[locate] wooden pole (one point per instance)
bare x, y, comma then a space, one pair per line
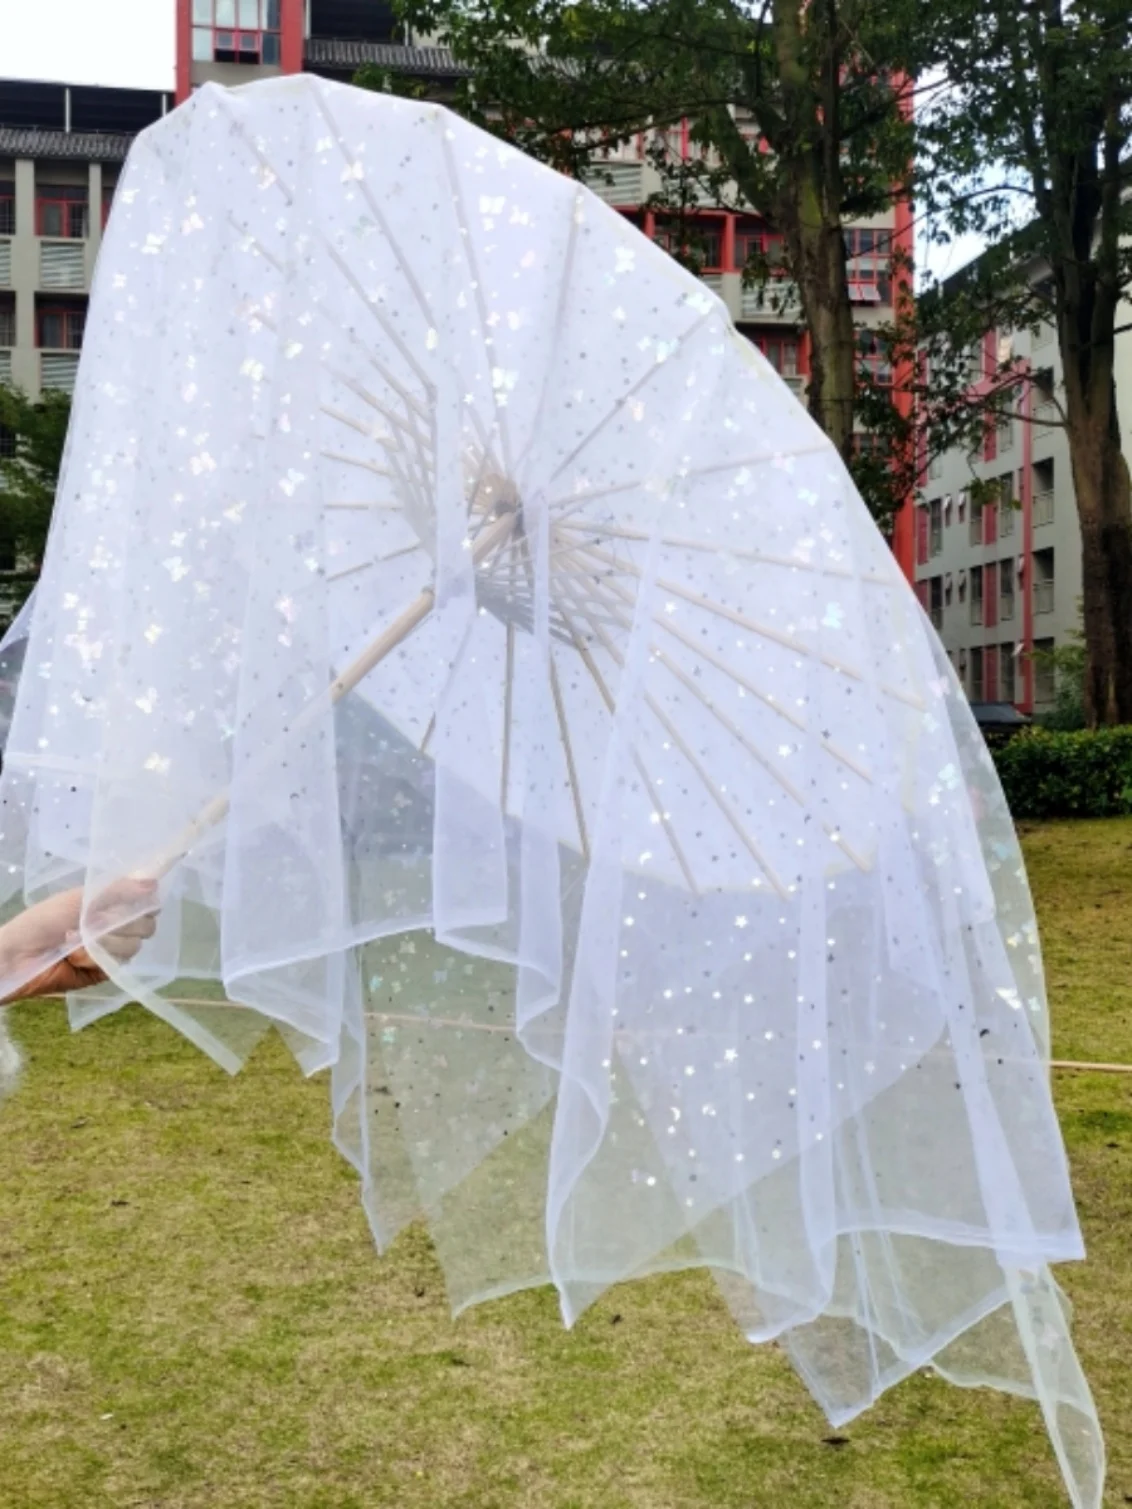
490, 538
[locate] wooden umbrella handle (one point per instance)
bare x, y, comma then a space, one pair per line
489, 538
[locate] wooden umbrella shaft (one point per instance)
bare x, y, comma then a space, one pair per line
490, 538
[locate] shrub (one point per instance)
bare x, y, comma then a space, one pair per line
1087, 773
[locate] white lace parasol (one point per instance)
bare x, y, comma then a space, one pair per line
525, 715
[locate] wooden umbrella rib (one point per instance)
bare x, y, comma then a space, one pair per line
646, 780
567, 745
479, 283
619, 403
508, 708
752, 847
703, 653
729, 725
763, 631
758, 557
464, 1025
564, 282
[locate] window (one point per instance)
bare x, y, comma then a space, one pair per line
1043, 494
1045, 677
758, 246
61, 211
935, 512
1006, 509
990, 597
936, 601
60, 329
961, 511
990, 674
923, 545
874, 364
868, 254
978, 684
709, 246
976, 594
868, 444
975, 534
236, 31
1006, 663
781, 351
990, 523
1043, 581
1005, 591
1005, 436
7, 322
7, 443
7, 209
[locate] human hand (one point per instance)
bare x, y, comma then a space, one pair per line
53, 924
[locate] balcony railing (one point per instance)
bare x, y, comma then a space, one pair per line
58, 369
5, 366
62, 264
617, 182
5, 264
1043, 507
773, 299
1043, 596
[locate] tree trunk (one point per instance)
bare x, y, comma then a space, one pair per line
1104, 507
829, 318
807, 47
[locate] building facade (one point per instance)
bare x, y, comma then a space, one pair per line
1002, 582
62, 149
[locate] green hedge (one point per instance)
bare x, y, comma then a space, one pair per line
1081, 774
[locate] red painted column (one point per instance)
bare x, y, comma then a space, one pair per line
291, 22
184, 50
728, 253
1027, 500
903, 246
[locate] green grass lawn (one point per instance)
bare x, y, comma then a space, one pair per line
192, 1313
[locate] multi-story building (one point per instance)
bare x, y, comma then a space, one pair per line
1003, 581
62, 148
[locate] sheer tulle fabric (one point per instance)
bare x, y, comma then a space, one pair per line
652, 899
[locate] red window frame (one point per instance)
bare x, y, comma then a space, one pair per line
867, 265
73, 206
757, 239
225, 27
74, 321
922, 537
776, 346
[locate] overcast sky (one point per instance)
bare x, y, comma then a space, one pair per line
127, 43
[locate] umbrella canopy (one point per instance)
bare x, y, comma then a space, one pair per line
526, 717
